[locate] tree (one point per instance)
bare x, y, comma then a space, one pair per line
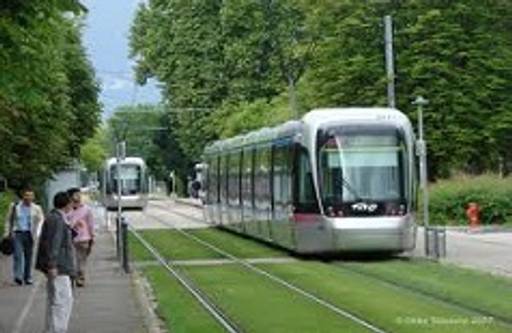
93, 153
148, 133
244, 58
41, 95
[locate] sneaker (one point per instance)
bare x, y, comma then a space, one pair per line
18, 282
29, 282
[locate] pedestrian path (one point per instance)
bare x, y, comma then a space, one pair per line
106, 304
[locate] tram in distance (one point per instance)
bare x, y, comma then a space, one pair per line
337, 180
134, 183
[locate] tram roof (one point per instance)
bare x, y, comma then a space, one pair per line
126, 160
315, 118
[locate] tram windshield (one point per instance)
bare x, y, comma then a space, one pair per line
131, 179
362, 171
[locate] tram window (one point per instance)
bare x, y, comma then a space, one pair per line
262, 178
247, 168
222, 179
304, 191
212, 181
282, 176
233, 179
130, 178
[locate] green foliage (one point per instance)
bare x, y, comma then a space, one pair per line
93, 153
49, 100
149, 134
449, 199
253, 61
5, 199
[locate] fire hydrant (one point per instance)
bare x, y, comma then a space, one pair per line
473, 214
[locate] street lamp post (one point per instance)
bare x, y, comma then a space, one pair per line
421, 151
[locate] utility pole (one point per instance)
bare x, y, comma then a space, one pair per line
421, 151
390, 69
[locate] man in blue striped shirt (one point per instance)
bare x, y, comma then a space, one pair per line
23, 223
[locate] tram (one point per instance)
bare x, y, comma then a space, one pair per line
336, 180
134, 183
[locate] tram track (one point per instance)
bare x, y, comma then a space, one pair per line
190, 287
395, 284
248, 265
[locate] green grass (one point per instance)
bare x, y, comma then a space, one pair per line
171, 245
180, 311
259, 305
237, 245
463, 286
390, 308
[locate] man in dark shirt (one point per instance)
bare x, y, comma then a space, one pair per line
55, 259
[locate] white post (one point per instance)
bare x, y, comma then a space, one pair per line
390, 69
422, 153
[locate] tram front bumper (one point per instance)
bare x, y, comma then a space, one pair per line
393, 234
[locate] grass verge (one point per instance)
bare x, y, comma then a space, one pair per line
474, 289
392, 309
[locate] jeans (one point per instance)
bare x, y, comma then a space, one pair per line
59, 304
22, 257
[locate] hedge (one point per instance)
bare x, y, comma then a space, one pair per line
449, 199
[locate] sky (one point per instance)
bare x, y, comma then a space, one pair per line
106, 33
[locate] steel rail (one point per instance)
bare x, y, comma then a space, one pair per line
213, 310
278, 280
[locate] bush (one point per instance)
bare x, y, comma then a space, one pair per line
5, 199
449, 199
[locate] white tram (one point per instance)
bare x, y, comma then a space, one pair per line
134, 183
336, 180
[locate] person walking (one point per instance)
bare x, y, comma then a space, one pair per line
23, 224
55, 258
82, 221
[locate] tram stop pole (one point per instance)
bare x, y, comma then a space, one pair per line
120, 155
421, 151
124, 239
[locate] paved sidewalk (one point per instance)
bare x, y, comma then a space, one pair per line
106, 304
485, 251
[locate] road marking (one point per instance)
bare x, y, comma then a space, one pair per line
30, 301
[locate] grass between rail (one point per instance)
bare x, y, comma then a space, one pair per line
174, 245
237, 245
170, 244
363, 288
257, 304
179, 310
